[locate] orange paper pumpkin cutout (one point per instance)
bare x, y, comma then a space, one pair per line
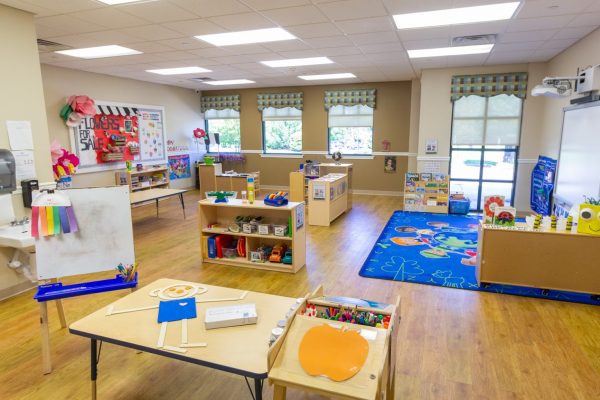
334, 353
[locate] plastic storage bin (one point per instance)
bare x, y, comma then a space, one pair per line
459, 206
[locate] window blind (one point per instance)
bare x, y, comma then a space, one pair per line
348, 116
280, 114
227, 113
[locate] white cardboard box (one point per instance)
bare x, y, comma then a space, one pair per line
222, 317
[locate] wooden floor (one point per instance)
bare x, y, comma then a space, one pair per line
453, 344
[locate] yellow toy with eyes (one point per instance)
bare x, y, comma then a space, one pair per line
589, 219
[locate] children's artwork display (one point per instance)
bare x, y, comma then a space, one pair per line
119, 133
426, 192
489, 207
179, 167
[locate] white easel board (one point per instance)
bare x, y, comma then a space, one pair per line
104, 239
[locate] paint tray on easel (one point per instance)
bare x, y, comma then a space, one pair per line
51, 213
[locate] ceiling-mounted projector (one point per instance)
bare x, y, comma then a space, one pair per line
586, 82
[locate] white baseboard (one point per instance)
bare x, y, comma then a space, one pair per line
275, 188
16, 289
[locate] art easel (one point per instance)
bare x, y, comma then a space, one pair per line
104, 218
375, 381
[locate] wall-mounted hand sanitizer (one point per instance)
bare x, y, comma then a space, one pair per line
8, 179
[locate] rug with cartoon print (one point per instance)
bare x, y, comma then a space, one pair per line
440, 250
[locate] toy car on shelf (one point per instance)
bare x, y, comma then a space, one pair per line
287, 258
277, 253
277, 199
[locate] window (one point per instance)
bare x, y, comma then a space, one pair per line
282, 130
485, 145
351, 129
225, 123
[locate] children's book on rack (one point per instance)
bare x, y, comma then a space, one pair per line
426, 192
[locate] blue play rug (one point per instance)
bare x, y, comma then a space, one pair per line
440, 250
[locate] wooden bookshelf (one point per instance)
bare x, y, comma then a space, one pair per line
151, 177
299, 180
426, 192
327, 198
223, 214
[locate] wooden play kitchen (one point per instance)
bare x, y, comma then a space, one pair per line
372, 378
327, 198
540, 259
280, 229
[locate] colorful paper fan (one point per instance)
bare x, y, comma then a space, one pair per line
491, 203
52, 212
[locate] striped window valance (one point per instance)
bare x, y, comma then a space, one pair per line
365, 97
280, 100
489, 85
220, 102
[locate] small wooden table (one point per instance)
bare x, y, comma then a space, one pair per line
241, 350
156, 194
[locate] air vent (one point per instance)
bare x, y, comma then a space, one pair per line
473, 40
201, 79
47, 45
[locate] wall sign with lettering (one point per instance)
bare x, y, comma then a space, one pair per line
119, 133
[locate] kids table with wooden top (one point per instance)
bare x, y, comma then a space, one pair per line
156, 194
240, 350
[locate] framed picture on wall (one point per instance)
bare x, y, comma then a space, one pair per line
389, 166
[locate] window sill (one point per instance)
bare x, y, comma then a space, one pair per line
283, 155
353, 157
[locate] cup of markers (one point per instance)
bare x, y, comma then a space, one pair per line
127, 271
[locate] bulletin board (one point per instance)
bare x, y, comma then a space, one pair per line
119, 132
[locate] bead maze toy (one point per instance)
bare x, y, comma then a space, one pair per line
277, 199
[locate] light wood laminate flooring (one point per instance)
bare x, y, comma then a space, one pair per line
453, 344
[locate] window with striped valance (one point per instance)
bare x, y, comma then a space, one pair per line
280, 100
489, 85
356, 97
220, 102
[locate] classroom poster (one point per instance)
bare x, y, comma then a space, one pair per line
151, 135
179, 167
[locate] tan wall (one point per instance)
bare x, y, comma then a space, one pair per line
391, 121
436, 116
582, 54
182, 109
21, 98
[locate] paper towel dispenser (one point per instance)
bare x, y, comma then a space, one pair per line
8, 179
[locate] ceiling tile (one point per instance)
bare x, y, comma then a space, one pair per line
426, 33
56, 7
194, 27
287, 45
212, 8
352, 60
244, 21
68, 25
546, 53
298, 54
150, 47
36, 10
506, 57
110, 17
574, 33
296, 15
77, 41
340, 51
185, 43
248, 49
380, 48
518, 46
271, 4
537, 24
479, 29
211, 52
467, 60
152, 32
331, 41
374, 38
511, 37
353, 9
155, 11
426, 44
589, 19
366, 25
314, 30
547, 8
405, 7
233, 59
558, 43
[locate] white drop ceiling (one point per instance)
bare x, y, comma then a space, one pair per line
358, 35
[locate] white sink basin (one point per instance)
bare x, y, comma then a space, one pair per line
16, 236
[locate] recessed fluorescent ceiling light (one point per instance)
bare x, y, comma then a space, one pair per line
115, 2
327, 76
297, 62
455, 16
178, 71
245, 37
229, 82
450, 51
99, 52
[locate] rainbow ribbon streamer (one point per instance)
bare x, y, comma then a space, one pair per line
51, 220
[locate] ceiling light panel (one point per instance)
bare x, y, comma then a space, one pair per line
178, 71
246, 37
345, 75
450, 51
297, 62
99, 52
229, 82
456, 16
115, 2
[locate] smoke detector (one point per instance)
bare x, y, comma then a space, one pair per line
473, 40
